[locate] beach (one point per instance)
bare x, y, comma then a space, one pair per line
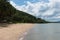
14, 31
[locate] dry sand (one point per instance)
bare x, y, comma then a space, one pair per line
14, 31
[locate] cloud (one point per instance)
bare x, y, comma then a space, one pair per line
32, 8
13, 4
41, 9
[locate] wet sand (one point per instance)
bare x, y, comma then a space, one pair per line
14, 31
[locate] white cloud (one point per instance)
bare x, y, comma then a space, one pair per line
41, 9
13, 4
32, 8
57, 17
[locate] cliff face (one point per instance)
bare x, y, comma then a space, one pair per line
9, 14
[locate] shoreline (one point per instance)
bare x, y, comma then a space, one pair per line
14, 31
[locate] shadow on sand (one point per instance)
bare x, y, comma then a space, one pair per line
4, 24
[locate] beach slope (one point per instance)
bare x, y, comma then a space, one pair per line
14, 31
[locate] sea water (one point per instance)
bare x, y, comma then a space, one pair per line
50, 31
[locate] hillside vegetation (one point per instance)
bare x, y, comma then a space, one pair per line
9, 14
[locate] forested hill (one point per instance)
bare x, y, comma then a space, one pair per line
9, 14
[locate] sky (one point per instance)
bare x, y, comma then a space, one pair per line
45, 9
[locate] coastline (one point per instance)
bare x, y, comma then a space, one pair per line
14, 31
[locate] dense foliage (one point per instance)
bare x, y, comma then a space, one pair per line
9, 14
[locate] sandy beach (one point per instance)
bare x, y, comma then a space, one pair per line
14, 31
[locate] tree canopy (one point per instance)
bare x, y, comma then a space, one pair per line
9, 14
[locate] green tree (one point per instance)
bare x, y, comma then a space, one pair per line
9, 14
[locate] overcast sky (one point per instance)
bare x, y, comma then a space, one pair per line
45, 9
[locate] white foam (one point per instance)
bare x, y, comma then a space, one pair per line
21, 38
25, 33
